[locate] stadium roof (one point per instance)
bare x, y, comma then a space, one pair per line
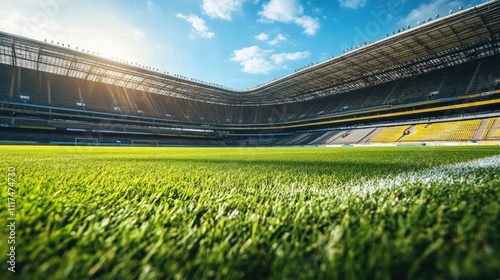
464, 36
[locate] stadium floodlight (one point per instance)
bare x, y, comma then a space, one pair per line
140, 112
80, 104
117, 109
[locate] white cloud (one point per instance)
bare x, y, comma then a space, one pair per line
265, 37
352, 4
18, 23
262, 37
253, 60
258, 61
277, 39
426, 10
86, 25
309, 24
281, 10
288, 11
280, 58
115, 39
221, 8
198, 25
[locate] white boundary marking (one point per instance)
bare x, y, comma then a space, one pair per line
463, 172
459, 173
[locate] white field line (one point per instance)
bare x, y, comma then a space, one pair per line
459, 173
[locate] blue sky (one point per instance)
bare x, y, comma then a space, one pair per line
235, 43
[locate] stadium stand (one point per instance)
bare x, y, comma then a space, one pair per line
444, 69
352, 136
390, 134
324, 138
297, 139
449, 131
446, 131
48, 89
493, 132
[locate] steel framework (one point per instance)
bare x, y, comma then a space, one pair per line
458, 38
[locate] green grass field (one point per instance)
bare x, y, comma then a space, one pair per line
231, 213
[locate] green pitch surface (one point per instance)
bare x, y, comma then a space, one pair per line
281, 213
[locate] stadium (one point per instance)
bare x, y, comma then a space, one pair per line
201, 181
439, 76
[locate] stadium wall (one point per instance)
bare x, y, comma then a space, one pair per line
49, 108
477, 77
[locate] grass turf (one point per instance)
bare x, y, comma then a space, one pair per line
229, 213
